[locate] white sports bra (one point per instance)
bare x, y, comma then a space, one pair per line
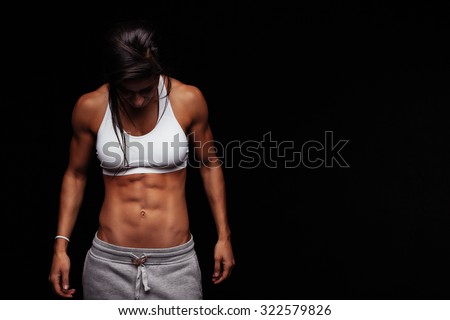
163, 149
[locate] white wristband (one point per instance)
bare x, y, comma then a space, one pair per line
63, 237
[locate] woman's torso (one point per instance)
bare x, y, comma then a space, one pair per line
145, 209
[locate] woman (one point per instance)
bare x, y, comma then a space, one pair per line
140, 123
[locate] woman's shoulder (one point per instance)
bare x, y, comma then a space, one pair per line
90, 107
93, 100
182, 88
186, 94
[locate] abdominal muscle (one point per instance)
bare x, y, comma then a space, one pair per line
145, 210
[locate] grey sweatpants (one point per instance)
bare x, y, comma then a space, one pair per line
120, 273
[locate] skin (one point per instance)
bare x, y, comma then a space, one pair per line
141, 210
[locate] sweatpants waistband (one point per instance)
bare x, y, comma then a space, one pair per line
145, 256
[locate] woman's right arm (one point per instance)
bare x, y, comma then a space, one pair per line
72, 191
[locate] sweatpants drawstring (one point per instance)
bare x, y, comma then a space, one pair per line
142, 275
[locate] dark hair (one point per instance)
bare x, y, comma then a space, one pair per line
130, 52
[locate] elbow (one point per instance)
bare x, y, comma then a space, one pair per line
211, 163
76, 174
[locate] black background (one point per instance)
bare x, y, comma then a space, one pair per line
373, 73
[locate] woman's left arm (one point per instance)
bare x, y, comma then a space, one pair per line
213, 181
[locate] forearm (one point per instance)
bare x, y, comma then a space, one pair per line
71, 197
214, 184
